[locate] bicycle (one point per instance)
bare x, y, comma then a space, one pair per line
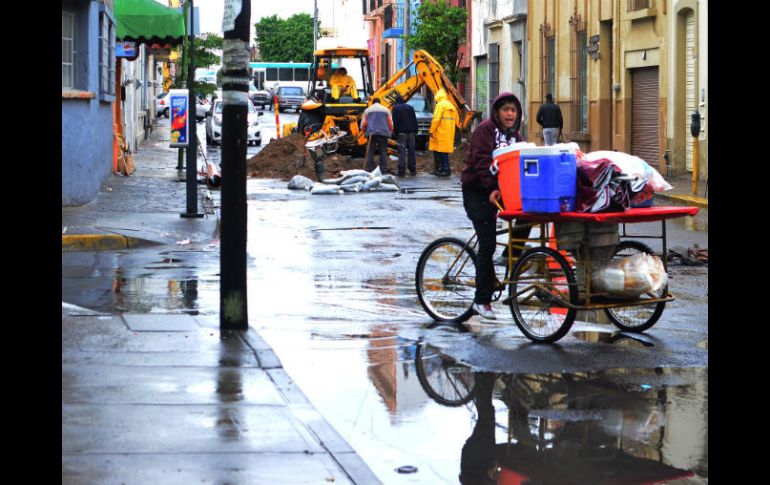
544, 292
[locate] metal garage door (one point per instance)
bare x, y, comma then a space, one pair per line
690, 96
644, 115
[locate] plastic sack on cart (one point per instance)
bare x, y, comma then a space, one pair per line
632, 166
601, 186
631, 276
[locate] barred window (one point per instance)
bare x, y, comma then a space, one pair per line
106, 56
578, 76
494, 71
67, 50
547, 61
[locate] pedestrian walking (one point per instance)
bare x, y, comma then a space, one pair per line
378, 126
481, 191
442, 134
405, 129
549, 117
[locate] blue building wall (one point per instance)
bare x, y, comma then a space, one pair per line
86, 123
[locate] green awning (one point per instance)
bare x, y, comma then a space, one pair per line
148, 21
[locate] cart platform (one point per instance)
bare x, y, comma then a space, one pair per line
645, 214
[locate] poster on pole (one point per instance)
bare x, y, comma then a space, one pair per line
232, 10
179, 118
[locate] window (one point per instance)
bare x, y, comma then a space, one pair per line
271, 73
301, 74
67, 50
547, 61
578, 79
106, 56
494, 70
286, 74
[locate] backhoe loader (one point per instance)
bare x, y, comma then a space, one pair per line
330, 125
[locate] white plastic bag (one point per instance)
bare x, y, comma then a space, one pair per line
631, 276
633, 166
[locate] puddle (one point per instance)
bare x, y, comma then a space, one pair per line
616, 338
636, 425
358, 228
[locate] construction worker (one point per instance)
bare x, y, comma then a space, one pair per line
442, 133
342, 84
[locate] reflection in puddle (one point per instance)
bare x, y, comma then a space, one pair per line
612, 426
146, 294
617, 338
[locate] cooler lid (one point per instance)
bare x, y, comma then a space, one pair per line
512, 148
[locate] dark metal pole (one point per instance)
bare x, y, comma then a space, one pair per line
192, 141
235, 89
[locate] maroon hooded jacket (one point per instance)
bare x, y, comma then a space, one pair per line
485, 139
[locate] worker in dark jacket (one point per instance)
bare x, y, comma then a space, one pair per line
405, 128
549, 117
480, 192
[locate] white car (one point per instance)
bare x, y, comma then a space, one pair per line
214, 125
162, 105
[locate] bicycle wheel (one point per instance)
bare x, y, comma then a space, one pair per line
446, 280
637, 318
442, 378
541, 283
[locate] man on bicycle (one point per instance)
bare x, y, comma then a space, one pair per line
480, 191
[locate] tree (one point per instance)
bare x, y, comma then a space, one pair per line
208, 48
439, 29
285, 40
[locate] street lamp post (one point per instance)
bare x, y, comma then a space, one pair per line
192, 139
235, 89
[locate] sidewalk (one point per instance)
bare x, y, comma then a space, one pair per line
169, 398
681, 194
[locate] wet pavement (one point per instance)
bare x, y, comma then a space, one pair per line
331, 292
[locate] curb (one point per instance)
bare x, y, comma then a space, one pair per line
686, 200
100, 242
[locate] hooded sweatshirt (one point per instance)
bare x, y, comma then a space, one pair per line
442, 127
487, 137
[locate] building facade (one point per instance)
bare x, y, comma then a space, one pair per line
499, 51
626, 73
88, 91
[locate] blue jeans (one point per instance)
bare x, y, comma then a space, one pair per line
550, 135
406, 150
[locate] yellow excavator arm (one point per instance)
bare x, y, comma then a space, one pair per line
430, 74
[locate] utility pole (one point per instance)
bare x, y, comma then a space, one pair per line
192, 141
315, 25
235, 89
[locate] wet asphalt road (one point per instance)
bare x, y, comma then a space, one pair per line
331, 288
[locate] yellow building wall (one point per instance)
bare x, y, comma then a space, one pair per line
627, 40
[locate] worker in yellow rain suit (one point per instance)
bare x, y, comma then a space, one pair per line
342, 84
442, 134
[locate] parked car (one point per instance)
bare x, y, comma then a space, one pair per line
259, 97
162, 105
290, 97
424, 113
214, 125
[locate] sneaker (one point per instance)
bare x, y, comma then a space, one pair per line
413, 173
402, 174
443, 174
501, 261
485, 310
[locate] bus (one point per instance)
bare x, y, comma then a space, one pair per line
267, 74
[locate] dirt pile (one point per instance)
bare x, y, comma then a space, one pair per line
286, 157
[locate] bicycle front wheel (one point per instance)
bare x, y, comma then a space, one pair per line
541, 285
446, 280
442, 378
